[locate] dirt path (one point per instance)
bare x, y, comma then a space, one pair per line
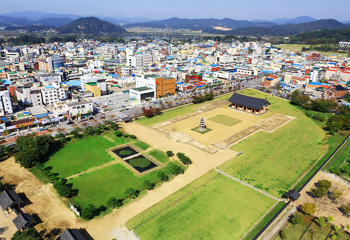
94, 169
55, 214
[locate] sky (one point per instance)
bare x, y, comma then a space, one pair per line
163, 9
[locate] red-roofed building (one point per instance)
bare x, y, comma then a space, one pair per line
270, 80
299, 81
315, 56
335, 92
333, 71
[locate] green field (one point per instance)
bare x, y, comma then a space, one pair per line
112, 181
212, 207
169, 114
225, 120
80, 155
98, 186
274, 161
294, 232
298, 48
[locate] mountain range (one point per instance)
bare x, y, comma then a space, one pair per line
69, 23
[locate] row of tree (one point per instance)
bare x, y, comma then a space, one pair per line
151, 111
202, 98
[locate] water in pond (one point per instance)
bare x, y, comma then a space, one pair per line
142, 169
125, 152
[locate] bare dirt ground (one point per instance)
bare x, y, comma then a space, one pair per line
219, 131
325, 206
7, 228
55, 216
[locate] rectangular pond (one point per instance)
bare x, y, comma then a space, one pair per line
141, 163
125, 152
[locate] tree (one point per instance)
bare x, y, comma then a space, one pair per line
283, 234
62, 137
114, 126
63, 189
324, 184
335, 228
157, 111
319, 191
148, 112
169, 153
308, 208
29, 234
330, 219
132, 193
296, 219
336, 194
148, 185
31, 148
89, 212
321, 222
346, 208
112, 202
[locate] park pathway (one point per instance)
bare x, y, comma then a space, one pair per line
94, 169
248, 185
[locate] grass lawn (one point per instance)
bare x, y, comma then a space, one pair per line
169, 114
274, 161
112, 181
212, 207
201, 132
225, 120
159, 155
80, 155
294, 232
264, 221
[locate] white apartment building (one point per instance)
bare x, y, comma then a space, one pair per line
81, 108
147, 81
47, 77
28, 95
5, 101
142, 60
52, 94
245, 71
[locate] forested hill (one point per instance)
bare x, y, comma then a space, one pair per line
92, 26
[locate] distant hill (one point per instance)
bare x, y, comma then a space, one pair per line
323, 36
287, 29
200, 24
54, 22
12, 21
35, 15
113, 21
90, 25
301, 19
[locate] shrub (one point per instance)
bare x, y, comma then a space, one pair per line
132, 193
89, 212
296, 219
177, 170
140, 162
148, 185
132, 136
118, 133
125, 152
346, 208
162, 176
169, 153
283, 234
125, 135
183, 158
321, 222
308, 114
